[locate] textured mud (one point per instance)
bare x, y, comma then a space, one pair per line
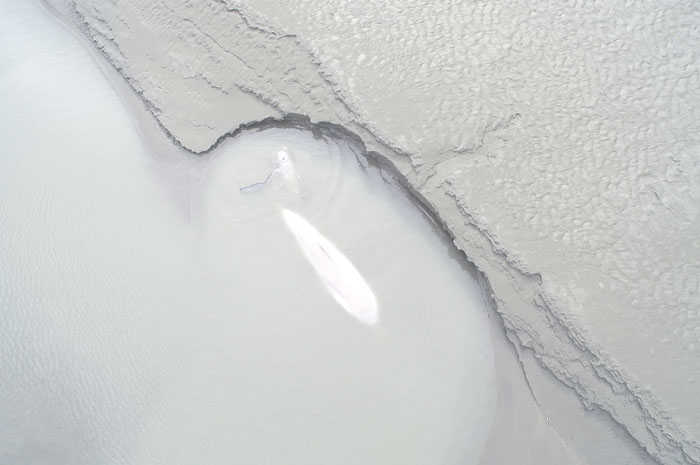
559, 144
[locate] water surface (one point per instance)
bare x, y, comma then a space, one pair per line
270, 302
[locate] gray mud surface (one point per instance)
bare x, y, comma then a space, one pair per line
558, 144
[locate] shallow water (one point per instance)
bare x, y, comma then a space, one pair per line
271, 302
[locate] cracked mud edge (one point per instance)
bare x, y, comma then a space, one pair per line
555, 341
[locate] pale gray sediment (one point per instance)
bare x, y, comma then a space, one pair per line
558, 145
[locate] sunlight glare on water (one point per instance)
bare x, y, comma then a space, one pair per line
341, 278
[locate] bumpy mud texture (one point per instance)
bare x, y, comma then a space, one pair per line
558, 143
